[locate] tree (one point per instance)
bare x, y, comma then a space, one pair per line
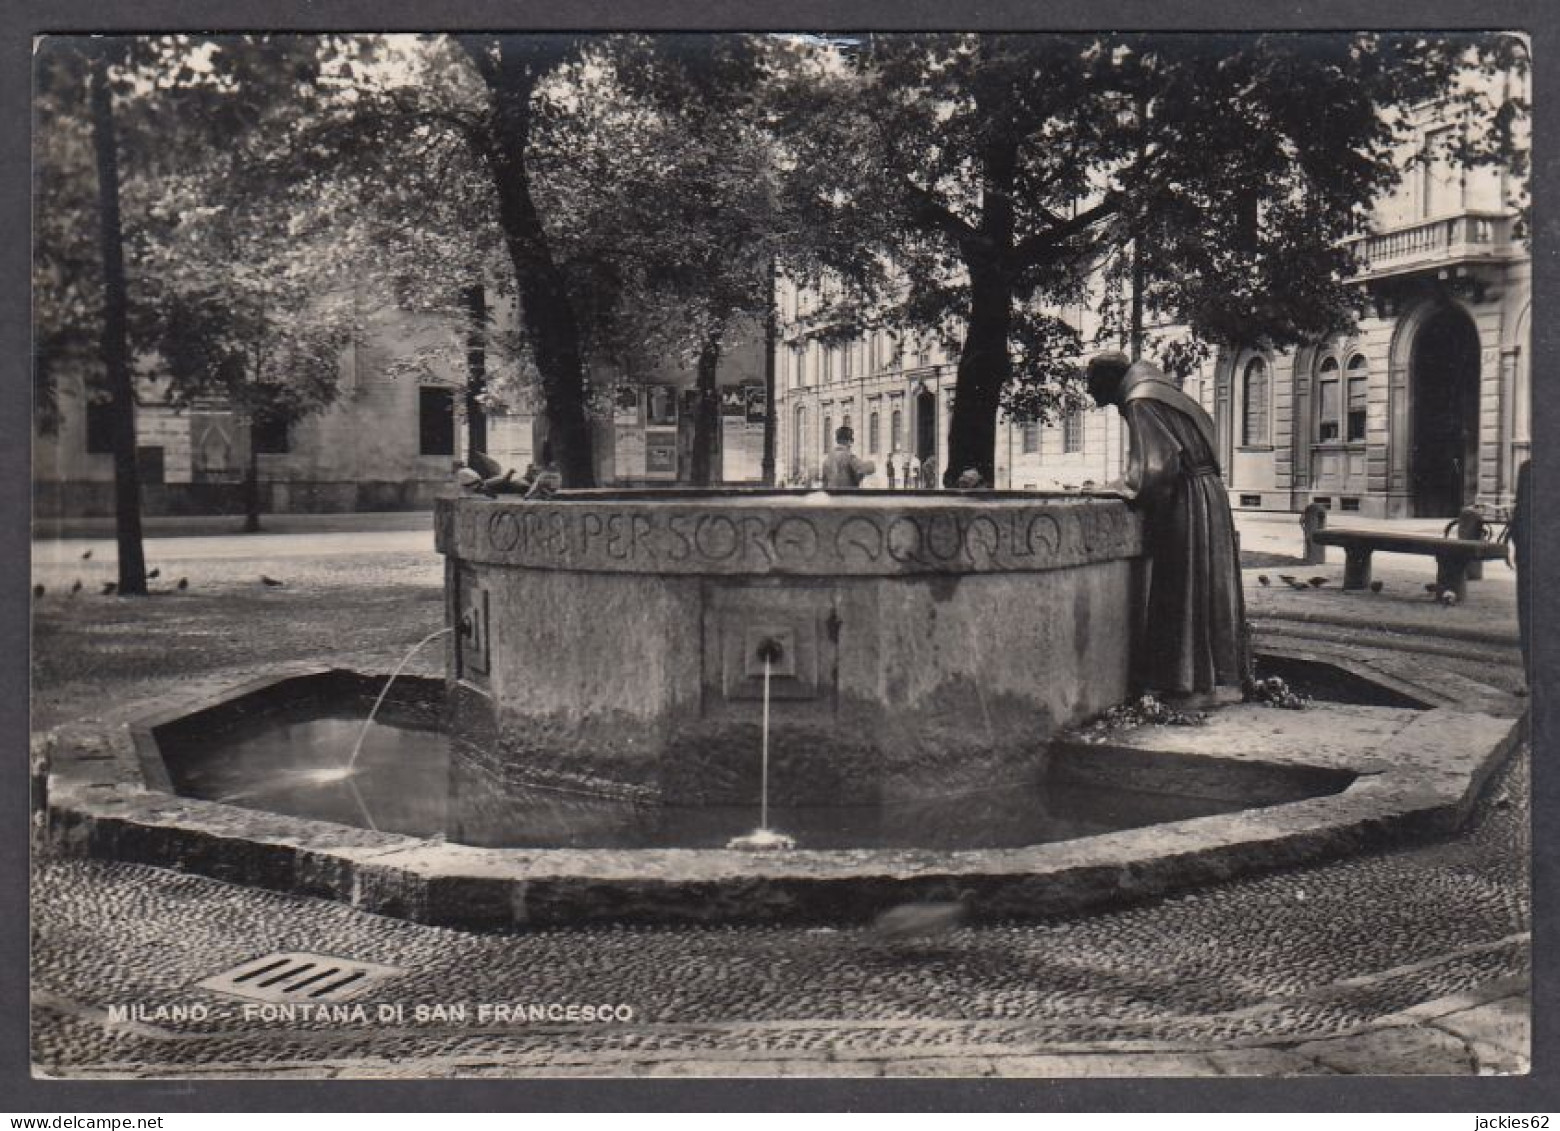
982, 179
516, 143
239, 308
515, 69
664, 180
165, 114
116, 347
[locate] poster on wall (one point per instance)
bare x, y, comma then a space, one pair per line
742, 434
628, 452
661, 453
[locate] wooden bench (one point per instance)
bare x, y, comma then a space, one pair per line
1452, 555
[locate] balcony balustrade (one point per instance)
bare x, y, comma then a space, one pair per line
1468, 237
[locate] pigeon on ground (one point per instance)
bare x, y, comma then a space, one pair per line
1448, 598
37, 591
1262, 580
1375, 587
86, 555
271, 581
922, 919
154, 575
1295, 583
1287, 578
1318, 582
184, 583
76, 588
109, 587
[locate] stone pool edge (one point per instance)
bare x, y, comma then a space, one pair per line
104, 801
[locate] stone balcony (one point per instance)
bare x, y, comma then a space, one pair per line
1443, 244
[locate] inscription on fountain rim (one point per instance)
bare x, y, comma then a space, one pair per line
666, 538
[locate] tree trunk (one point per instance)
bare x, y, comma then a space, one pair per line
115, 348
706, 415
252, 484
476, 369
551, 327
984, 364
984, 368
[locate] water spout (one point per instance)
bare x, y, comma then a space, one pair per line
763, 794
357, 747
764, 838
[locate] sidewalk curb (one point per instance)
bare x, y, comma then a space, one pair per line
1406, 628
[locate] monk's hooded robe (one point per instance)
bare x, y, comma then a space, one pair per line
1194, 634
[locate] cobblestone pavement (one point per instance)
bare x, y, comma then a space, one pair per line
1413, 960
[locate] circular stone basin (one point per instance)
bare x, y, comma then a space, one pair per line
919, 644
284, 749
1307, 786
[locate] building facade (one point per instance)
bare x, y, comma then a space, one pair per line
896, 394
1422, 409
388, 442
390, 439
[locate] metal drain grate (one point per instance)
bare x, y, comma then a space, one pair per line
297, 976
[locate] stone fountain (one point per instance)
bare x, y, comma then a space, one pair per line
922, 644
925, 652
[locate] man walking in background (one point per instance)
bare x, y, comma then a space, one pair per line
843, 468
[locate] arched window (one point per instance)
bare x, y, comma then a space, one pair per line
1072, 432
872, 433
1254, 404
826, 440
1327, 401
896, 431
1358, 398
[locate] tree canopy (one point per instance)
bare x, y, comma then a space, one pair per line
633, 193
981, 183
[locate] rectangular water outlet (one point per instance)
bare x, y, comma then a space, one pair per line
471, 632
741, 618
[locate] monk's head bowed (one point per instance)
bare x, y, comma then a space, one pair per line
1105, 374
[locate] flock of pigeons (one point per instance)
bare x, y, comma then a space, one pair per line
112, 587
1444, 596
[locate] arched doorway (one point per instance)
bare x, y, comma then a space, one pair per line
925, 424
1443, 464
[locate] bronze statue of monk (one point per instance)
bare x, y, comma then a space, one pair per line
1194, 628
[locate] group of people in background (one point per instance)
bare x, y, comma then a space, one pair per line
843, 468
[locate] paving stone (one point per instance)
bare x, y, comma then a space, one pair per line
1105, 1064
1503, 1025
1265, 1062
1493, 1060
1402, 1051
941, 1066
831, 1068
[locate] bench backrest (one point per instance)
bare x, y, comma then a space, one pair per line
1393, 543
